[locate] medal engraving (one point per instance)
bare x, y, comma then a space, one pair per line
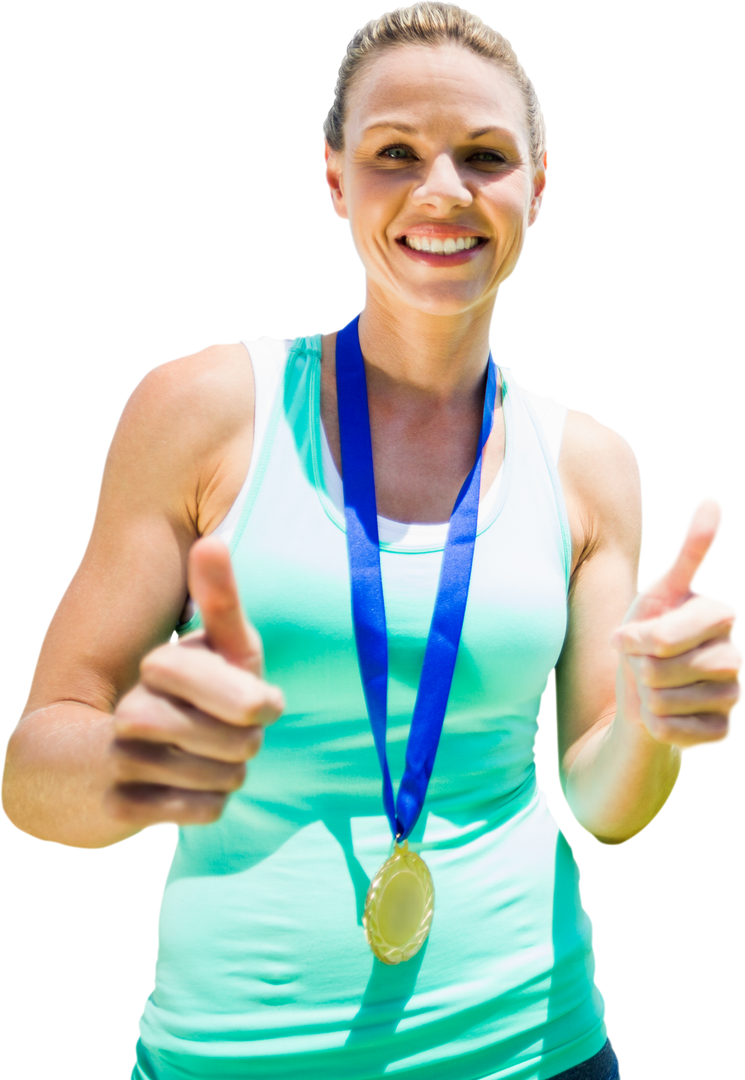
399, 907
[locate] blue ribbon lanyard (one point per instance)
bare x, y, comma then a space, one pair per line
368, 607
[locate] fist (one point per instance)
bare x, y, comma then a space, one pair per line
183, 734
680, 672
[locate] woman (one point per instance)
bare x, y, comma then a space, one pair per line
435, 154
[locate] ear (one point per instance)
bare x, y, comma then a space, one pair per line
334, 179
539, 183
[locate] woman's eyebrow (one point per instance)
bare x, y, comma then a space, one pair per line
407, 129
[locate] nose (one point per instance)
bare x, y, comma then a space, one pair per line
442, 187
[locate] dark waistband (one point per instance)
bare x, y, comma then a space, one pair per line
605, 1065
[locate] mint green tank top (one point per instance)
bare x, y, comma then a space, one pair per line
263, 968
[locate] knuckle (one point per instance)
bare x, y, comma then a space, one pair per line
252, 701
656, 702
192, 812
724, 614
208, 810
156, 662
272, 706
653, 640
731, 700
250, 742
718, 659
202, 807
648, 670
129, 722
136, 718
665, 640
735, 613
237, 777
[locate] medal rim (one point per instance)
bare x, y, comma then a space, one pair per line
414, 863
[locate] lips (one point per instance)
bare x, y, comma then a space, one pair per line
412, 235
441, 231
444, 260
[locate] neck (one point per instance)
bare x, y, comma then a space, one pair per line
416, 355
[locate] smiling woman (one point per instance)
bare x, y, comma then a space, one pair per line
418, 543
451, 121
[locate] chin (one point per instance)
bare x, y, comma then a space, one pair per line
443, 300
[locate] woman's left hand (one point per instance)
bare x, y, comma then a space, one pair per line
678, 668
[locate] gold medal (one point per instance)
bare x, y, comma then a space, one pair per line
400, 900
399, 906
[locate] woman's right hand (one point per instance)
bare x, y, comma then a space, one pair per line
183, 734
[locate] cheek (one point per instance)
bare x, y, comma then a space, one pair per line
509, 197
373, 200
378, 193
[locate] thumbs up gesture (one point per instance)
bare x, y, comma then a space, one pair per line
678, 668
183, 734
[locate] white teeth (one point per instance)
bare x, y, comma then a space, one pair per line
441, 247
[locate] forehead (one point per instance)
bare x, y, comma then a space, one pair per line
432, 88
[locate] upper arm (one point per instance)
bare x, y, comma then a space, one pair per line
176, 462
601, 485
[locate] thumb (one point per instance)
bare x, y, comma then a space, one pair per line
213, 587
675, 586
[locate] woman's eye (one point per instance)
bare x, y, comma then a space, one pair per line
496, 158
389, 149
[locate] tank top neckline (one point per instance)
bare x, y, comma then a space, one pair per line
396, 536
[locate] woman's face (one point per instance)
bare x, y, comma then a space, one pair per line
436, 176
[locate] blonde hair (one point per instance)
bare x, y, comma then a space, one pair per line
432, 24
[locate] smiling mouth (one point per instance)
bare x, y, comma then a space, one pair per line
438, 246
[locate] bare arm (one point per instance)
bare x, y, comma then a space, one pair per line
57, 770
176, 463
647, 674
614, 782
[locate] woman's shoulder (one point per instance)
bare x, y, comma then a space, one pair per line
601, 484
187, 432
217, 383
209, 389
596, 457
